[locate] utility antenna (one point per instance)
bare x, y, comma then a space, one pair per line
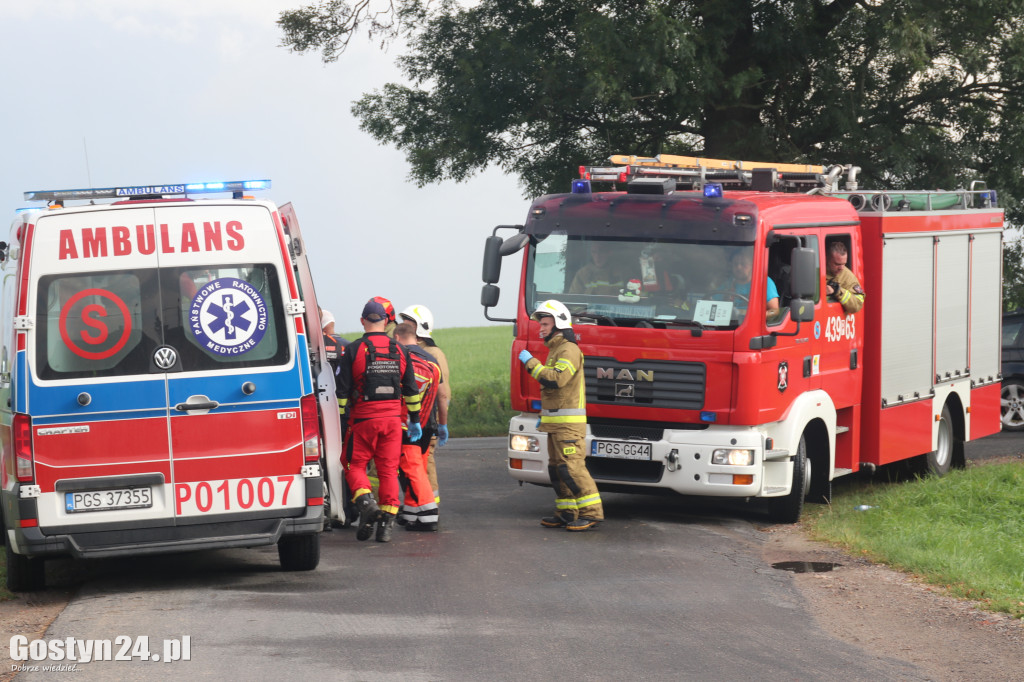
88, 172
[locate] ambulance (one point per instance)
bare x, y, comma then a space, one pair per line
157, 392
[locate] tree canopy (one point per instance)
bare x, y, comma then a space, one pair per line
921, 94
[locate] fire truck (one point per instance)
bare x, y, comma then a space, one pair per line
718, 364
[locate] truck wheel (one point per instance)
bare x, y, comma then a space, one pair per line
787, 509
24, 574
299, 552
938, 462
1012, 405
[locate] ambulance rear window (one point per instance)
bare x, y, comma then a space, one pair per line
111, 323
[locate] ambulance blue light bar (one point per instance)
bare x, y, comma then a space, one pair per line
713, 190
235, 186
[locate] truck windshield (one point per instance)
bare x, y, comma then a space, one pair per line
663, 284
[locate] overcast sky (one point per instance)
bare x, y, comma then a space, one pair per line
99, 93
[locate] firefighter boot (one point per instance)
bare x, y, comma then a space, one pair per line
385, 527
368, 515
582, 524
556, 521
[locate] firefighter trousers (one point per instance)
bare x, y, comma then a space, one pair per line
379, 439
418, 500
576, 493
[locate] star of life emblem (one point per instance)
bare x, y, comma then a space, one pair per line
228, 316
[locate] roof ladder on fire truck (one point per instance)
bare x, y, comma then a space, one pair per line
690, 172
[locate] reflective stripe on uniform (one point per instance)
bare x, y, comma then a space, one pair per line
563, 365
536, 370
589, 500
572, 412
562, 504
569, 419
342, 405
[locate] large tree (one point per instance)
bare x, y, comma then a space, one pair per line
918, 93
923, 92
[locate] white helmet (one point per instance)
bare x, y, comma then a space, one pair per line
422, 317
557, 310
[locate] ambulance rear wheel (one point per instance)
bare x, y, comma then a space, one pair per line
787, 509
24, 574
299, 552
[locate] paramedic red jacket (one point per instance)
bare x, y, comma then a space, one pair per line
374, 382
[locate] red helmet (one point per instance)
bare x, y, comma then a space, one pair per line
389, 308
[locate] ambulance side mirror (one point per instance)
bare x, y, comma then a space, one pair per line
804, 282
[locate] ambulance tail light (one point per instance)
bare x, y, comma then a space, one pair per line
22, 437
310, 428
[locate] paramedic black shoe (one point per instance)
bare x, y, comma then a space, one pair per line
425, 527
385, 526
582, 524
368, 515
556, 521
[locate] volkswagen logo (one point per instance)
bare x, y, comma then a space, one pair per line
165, 357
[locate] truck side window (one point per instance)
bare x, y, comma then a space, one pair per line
780, 269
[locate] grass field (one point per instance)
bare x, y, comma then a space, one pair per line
963, 532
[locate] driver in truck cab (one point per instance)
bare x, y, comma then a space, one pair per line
737, 286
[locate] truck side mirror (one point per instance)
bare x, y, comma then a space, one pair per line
801, 309
492, 259
804, 273
489, 296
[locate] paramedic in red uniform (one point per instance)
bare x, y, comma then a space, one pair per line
419, 508
563, 416
375, 375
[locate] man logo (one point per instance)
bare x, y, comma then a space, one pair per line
165, 357
624, 374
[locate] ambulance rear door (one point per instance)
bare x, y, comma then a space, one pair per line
236, 369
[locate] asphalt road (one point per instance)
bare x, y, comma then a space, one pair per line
667, 589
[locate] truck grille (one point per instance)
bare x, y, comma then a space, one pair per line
650, 383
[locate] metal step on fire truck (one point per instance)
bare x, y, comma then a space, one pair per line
717, 362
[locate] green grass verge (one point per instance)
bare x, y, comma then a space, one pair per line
963, 532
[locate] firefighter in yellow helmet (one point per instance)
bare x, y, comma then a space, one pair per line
564, 418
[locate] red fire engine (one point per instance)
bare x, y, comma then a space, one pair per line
695, 384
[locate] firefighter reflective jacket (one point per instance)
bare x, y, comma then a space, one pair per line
563, 394
428, 379
376, 375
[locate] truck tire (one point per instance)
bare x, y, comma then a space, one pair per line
24, 574
787, 509
299, 552
1012, 405
938, 462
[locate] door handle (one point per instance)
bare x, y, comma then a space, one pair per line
197, 402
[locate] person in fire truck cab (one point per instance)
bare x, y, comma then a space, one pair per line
602, 276
563, 417
377, 375
843, 285
737, 286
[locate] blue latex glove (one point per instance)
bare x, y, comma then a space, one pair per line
415, 432
442, 434
538, 424
524, 356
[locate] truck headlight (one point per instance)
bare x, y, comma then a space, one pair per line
740, 458
521, 443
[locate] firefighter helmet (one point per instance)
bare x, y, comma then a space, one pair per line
557, 310
389, 308
421, 316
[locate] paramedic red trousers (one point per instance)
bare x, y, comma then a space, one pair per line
378, 439
576, 493
418, 505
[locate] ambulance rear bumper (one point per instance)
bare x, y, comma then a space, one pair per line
98, 542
